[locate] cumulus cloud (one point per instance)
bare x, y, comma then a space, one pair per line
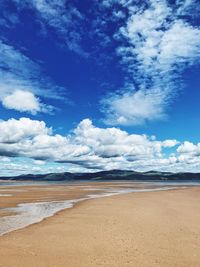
158, 44
188, 157
13, 131
22, 101
113, 142
188, 148
88, 147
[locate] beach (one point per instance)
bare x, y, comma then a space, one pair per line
158, 228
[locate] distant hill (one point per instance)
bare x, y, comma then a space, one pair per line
115, 175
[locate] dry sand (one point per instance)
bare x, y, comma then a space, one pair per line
139, 229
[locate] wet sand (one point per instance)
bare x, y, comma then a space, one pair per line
22, 204
138, 229
11, 196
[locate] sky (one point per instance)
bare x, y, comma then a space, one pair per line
98, 85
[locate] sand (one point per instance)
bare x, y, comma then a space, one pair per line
139, 229
15, 195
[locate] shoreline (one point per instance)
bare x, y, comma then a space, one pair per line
138, 229
23, 215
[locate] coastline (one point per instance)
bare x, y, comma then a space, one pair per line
137, 229
32, 204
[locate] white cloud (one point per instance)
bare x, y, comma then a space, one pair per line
170, 143
188, 7
188, 157
4, 159
22, 101
14, 131
179, 45
189, 148
158, 44
17, 166
88, 147
113, 142
137, 107
39, 162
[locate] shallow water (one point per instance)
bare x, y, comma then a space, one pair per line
36, 183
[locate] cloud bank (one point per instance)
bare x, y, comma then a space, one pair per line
92, 148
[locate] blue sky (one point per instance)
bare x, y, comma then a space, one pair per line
98, 85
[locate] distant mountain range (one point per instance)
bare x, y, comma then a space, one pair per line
115, 175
